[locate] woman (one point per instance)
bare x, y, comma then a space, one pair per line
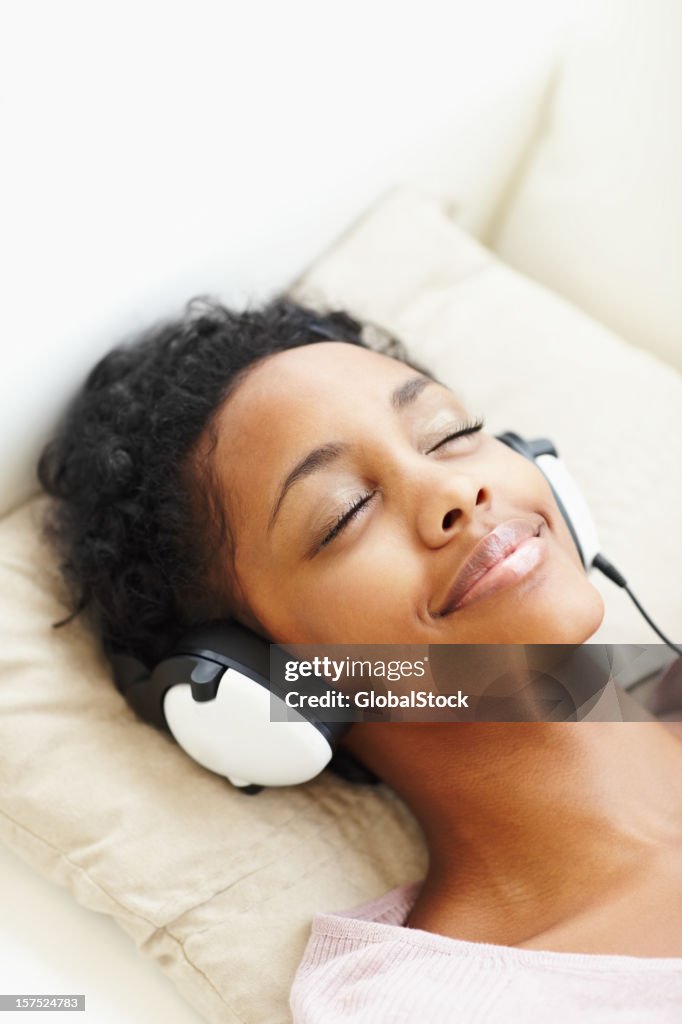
271, 467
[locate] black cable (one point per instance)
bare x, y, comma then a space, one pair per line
612, 573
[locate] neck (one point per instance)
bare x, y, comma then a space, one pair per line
526, 819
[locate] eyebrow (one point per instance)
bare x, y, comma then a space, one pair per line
401, 397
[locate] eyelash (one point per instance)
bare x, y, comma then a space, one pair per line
468, 427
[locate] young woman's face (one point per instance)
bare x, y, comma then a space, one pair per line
386, 575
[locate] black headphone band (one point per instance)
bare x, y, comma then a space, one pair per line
200, 659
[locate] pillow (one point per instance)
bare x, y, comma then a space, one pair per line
597, 214
219, 888
214, 885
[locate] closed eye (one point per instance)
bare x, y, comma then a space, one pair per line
466, 428
345, 518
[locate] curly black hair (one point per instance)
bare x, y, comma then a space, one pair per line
137, 519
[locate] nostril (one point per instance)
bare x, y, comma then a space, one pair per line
451, 517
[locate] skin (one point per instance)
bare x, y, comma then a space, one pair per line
545, 835
385, 575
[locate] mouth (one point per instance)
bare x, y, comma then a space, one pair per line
502, 558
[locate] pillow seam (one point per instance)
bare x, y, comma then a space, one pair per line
157, 929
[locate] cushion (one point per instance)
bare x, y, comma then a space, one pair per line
597, 214
217, 887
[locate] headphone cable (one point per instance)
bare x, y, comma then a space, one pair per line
604, 566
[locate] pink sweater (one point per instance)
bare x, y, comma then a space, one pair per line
363, 967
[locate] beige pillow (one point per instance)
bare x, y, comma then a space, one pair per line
219, 888
597, 213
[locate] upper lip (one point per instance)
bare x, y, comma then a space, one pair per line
490, 550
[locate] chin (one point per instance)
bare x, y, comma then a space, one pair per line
572, 620
598, 611
571, 616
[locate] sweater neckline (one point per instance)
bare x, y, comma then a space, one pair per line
382, 920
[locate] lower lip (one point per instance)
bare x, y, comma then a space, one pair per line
515, 567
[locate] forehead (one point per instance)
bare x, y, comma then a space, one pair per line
321, 370
291, 401
304, 387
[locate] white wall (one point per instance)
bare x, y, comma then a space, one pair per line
157, 150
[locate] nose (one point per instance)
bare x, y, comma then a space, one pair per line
445, 502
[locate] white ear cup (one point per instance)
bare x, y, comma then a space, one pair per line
574, 503
233, 735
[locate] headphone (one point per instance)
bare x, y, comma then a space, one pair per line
213, 692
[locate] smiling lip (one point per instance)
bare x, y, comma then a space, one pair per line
490, 552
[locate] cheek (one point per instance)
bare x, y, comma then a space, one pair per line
536, 494
366, 596
560, 531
